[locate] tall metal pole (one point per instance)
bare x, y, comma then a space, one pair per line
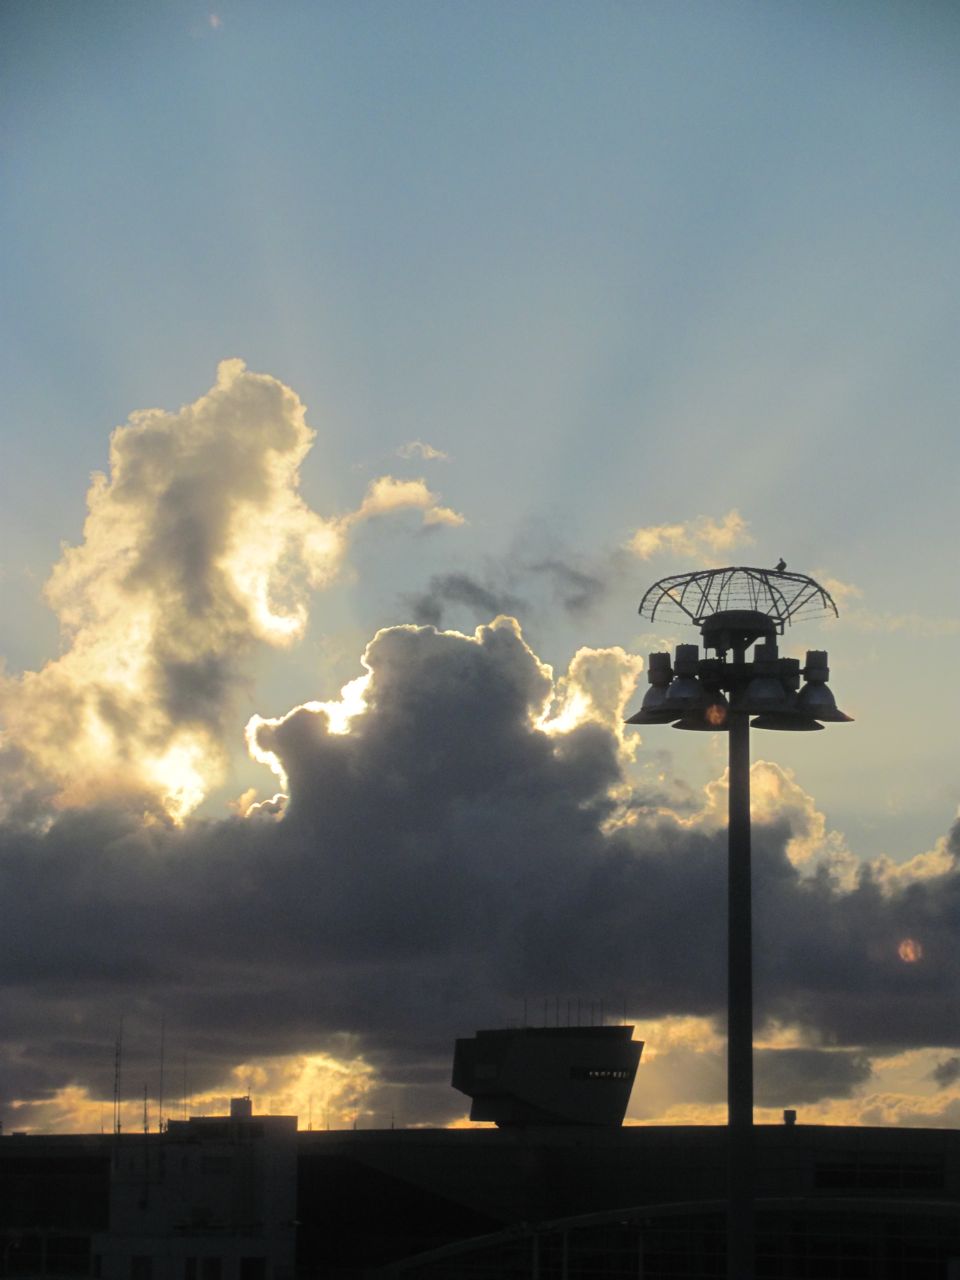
740, 1224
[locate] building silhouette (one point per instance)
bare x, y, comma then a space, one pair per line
247, 1197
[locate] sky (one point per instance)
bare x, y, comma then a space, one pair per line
362, 366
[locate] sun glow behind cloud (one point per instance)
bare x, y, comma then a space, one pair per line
324, 1090
197, 547
338, 714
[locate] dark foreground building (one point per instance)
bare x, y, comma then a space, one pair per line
248, 1198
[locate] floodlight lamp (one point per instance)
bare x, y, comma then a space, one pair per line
712, 717
685, 691
763, 694
816, 698
654, 709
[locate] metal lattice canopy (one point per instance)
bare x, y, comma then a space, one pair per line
695, 597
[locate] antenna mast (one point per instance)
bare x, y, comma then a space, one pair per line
163, 1029
117, 1067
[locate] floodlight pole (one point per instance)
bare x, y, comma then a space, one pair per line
734, 608
740, 1239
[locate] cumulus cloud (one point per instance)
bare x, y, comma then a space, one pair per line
389, 494
459, 828
776, 796
703, 538
197, 546
445, 849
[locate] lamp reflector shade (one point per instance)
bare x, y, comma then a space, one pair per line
788, 720
817, 700
762, 694
685, 692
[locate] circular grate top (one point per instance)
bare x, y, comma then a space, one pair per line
695, 597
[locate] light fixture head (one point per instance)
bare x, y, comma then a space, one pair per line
654, 709
685, 694
764, 693
817, 700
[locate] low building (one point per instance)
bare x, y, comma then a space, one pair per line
246, 1197
212, 1198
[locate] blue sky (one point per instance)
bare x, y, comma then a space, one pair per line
625, 264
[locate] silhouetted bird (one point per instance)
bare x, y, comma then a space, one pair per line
781, 565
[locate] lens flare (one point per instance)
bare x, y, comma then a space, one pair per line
910, 951
716, 714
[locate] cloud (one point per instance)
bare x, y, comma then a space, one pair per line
388, 494
596, 689
514, 586
776, 796
447, 847
197, 548
791, 1077
578, 590
947, 1072
922, 626
842, 592
420, 449
703, 538
460, 589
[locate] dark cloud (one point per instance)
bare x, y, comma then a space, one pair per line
433, 867
517, 585
577, 590
792, 1077
448, 589
946, 1073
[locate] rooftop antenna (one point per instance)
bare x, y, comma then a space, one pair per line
163, 1028
146, 1122
117, 1071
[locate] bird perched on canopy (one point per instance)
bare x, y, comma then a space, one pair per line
781, 565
